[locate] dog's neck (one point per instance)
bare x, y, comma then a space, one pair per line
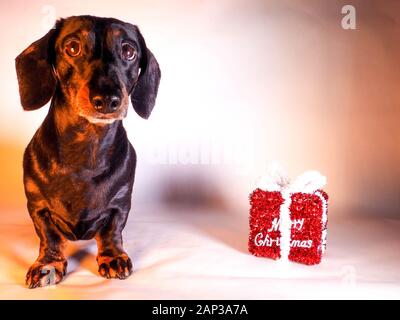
81, 142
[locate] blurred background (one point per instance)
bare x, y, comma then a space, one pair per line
244, 83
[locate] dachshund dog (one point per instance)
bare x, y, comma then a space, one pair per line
79, 167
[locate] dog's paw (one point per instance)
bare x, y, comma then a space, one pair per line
45, 274
115, 267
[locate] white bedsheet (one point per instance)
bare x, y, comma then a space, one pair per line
183, 253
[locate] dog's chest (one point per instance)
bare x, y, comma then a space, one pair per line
82, 188
80, 206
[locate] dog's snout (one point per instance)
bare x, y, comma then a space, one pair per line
106, 104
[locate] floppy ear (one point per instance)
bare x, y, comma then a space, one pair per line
36, 79
144, 93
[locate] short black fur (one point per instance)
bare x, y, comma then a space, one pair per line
79, 167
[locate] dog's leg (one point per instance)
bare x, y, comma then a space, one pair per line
51, 265
112, 259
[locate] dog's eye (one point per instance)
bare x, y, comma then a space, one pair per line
73, 48
128, 51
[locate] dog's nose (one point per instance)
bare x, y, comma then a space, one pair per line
107, 104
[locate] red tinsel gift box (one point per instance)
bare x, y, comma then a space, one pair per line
289, 221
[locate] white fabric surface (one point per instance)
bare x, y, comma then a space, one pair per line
186, 253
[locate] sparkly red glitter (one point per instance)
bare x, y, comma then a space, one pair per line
265, 208
306, 214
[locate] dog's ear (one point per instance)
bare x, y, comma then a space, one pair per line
144, 93
36, 78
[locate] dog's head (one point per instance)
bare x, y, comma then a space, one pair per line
95, 64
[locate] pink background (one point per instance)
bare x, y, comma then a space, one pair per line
244, 83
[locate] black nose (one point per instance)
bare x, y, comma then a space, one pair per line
106, 104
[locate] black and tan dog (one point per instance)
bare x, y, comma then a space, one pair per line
79, 167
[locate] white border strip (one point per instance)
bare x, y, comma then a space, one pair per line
285, 225
324, 220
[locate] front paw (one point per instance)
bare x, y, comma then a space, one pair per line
43, 274
115, 267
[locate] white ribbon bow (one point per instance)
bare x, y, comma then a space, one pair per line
277, 179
